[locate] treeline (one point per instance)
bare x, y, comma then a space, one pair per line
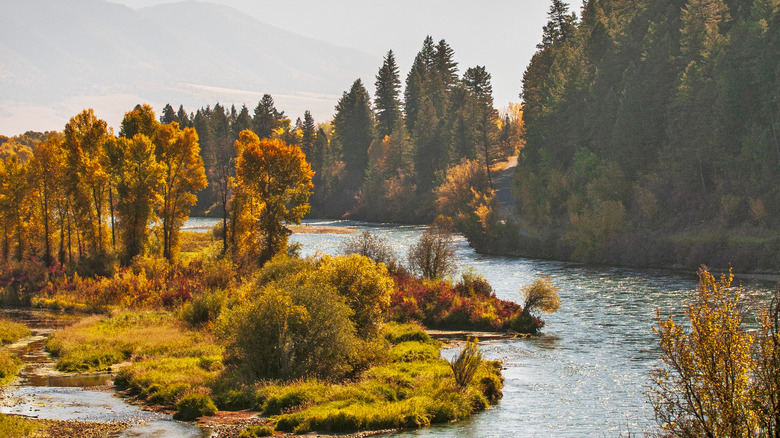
84, 196
652, 134
377, 159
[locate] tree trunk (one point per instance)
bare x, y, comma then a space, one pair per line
111, 206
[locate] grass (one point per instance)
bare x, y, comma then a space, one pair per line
11, 332
97, 342
168, 360
15, 427
416, 389
195, 245
9, 364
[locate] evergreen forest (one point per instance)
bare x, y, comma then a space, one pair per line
652, 134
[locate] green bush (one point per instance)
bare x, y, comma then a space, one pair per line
194, 405
257, 431
292, 331
281, 267
365, 285
205, 307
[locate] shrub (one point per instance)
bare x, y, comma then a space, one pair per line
293, 331
374, 247
99, 264
20, 281
205, 307
259, 430
9, 366
194, 405
281, 267
365, 285
433, 256
438, 304
466, 364
473, 283
541, 295
12, 426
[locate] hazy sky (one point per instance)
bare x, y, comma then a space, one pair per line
499, 34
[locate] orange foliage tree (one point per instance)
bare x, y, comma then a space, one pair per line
273, 185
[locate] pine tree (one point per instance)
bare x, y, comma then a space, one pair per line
446, 65
168, 115
267, 118
477, 82
242, 122
561, 24
308, 135
182, 118
422, 68
388, 105
354, 131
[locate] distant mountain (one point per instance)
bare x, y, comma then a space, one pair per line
56, 55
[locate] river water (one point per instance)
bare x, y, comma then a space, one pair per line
588, 373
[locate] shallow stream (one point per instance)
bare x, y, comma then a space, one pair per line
42, 392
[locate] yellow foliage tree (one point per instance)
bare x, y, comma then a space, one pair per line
711, 384
178, 152
273, 185
86, 178
14, 205
138, 180
541, 295
47, 169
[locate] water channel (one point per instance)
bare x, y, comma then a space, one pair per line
586, 375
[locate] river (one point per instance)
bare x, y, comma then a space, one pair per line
588, 372
585, 375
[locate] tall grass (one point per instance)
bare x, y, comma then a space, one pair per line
97, 342
11, 331
9, 364
15, 427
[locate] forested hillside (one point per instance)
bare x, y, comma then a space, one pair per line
651, 134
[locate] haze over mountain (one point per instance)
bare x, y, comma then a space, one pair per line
58, 57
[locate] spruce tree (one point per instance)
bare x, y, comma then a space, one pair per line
354, 131
266, 118
388, 105
477, 82
308, 135
168, 115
